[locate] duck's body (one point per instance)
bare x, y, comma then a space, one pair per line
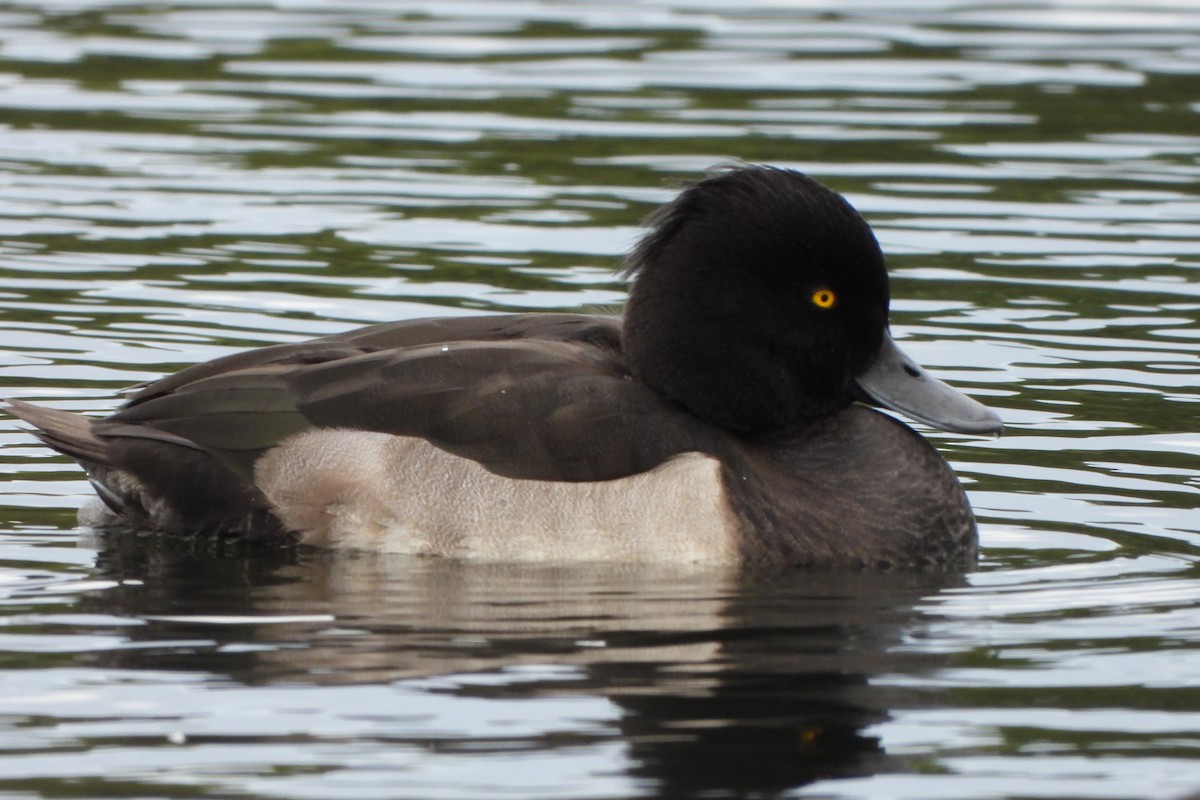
713, 424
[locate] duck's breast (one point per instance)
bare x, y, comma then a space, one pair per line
858, 490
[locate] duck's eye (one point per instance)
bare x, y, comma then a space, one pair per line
824, 298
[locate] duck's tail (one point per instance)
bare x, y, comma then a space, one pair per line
150, 479
74, 435
70, 434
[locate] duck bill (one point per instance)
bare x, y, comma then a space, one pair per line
897, 382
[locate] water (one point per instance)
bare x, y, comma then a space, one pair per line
182, 180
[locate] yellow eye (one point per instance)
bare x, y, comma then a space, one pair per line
824, 298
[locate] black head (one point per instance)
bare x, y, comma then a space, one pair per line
759, 296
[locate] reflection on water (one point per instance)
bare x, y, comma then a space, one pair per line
685, 673
183, 180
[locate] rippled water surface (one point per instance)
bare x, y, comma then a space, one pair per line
179, 180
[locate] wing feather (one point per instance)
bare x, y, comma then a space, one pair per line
527, 396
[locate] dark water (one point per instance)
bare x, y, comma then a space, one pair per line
181, 180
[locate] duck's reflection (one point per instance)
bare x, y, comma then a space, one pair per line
724, 682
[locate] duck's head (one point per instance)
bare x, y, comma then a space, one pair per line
760, 302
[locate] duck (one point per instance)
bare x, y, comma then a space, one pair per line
738, 413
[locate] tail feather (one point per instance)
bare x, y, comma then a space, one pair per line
151, 479
71, 434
